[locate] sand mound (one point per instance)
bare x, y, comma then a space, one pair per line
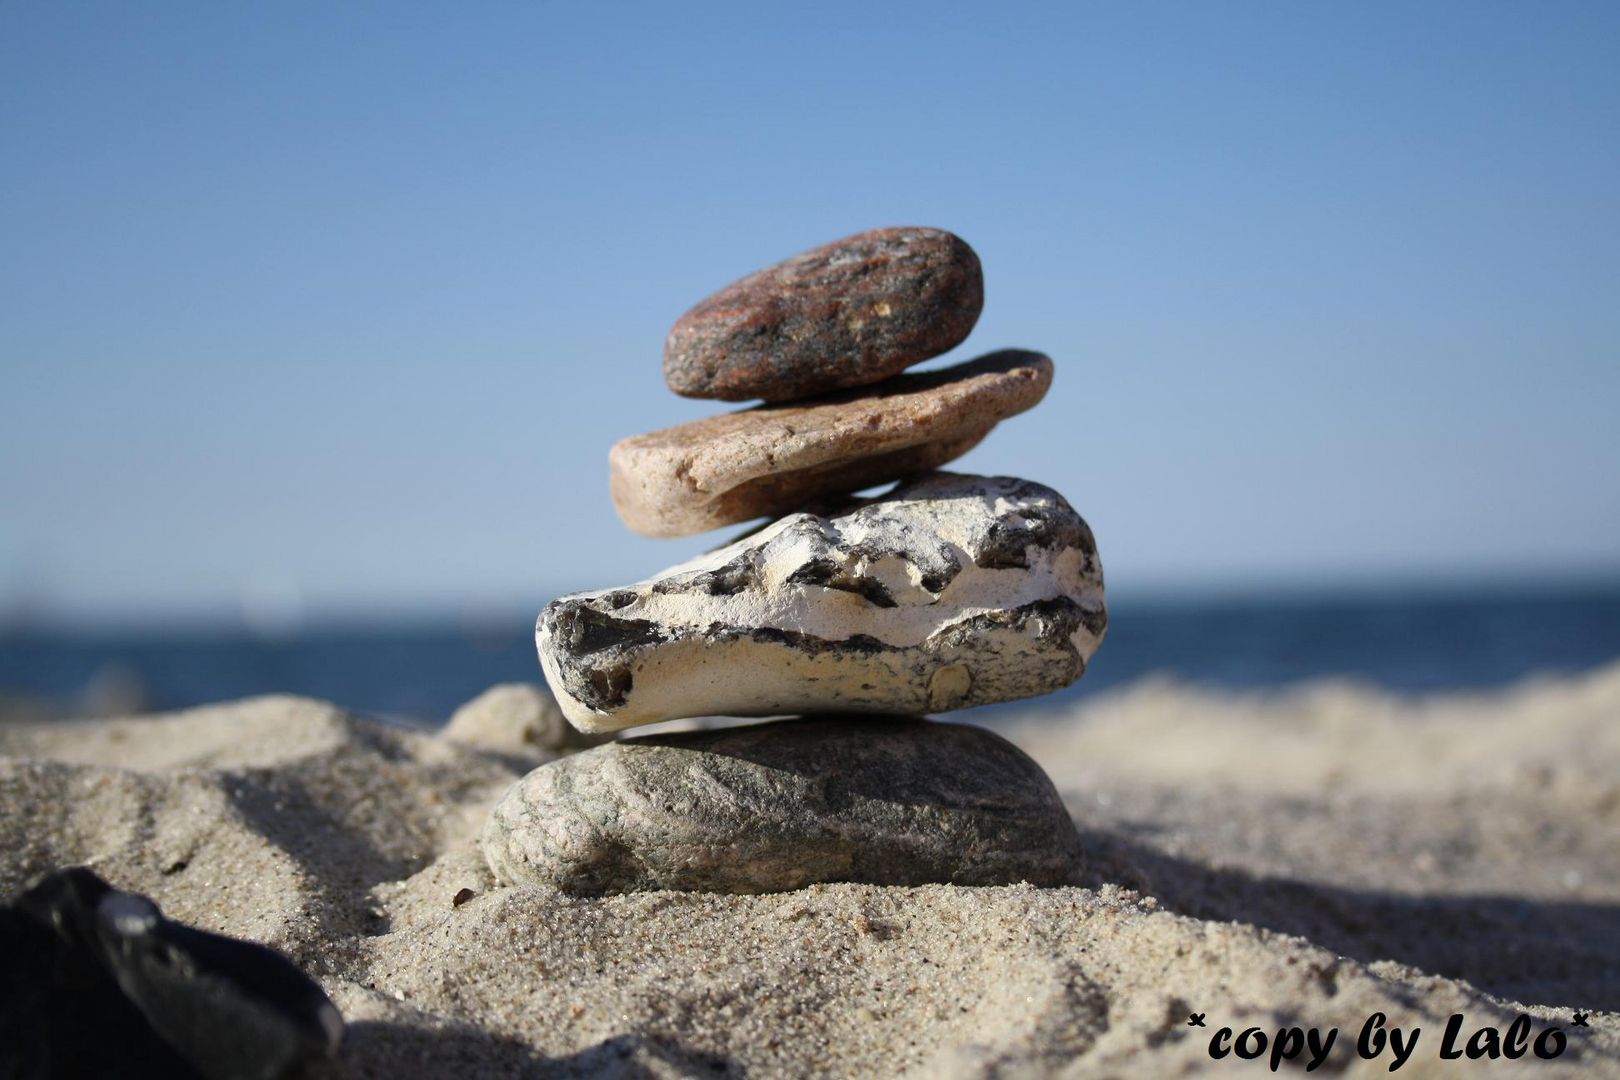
277, 819
1304, 858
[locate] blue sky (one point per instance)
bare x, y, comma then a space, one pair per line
342, 305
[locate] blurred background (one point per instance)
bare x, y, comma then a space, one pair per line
319, 320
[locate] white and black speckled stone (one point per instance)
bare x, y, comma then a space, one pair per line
781, 805
951, 591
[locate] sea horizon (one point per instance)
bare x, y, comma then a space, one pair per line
1411, 637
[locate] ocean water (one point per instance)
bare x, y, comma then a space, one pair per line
421, 671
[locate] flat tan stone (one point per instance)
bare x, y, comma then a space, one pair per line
775, 459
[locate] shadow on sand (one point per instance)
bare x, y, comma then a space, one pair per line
381, 1049
1532, 951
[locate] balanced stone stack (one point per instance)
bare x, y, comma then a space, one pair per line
863, 613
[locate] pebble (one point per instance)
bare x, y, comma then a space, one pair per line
775, 459
951, 591
519, 719
782, 805
849, 313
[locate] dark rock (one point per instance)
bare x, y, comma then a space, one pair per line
99, 984
62, 1014
777, 806
847, 314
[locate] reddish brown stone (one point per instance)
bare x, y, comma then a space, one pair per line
851, 313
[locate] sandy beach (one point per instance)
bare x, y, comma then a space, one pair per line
1307, 857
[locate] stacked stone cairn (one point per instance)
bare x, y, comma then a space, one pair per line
856, 614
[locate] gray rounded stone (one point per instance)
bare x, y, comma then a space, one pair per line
781, 805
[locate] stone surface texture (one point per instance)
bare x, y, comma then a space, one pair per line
781, 805
948, 592
849, 313
775, 459
515, 718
